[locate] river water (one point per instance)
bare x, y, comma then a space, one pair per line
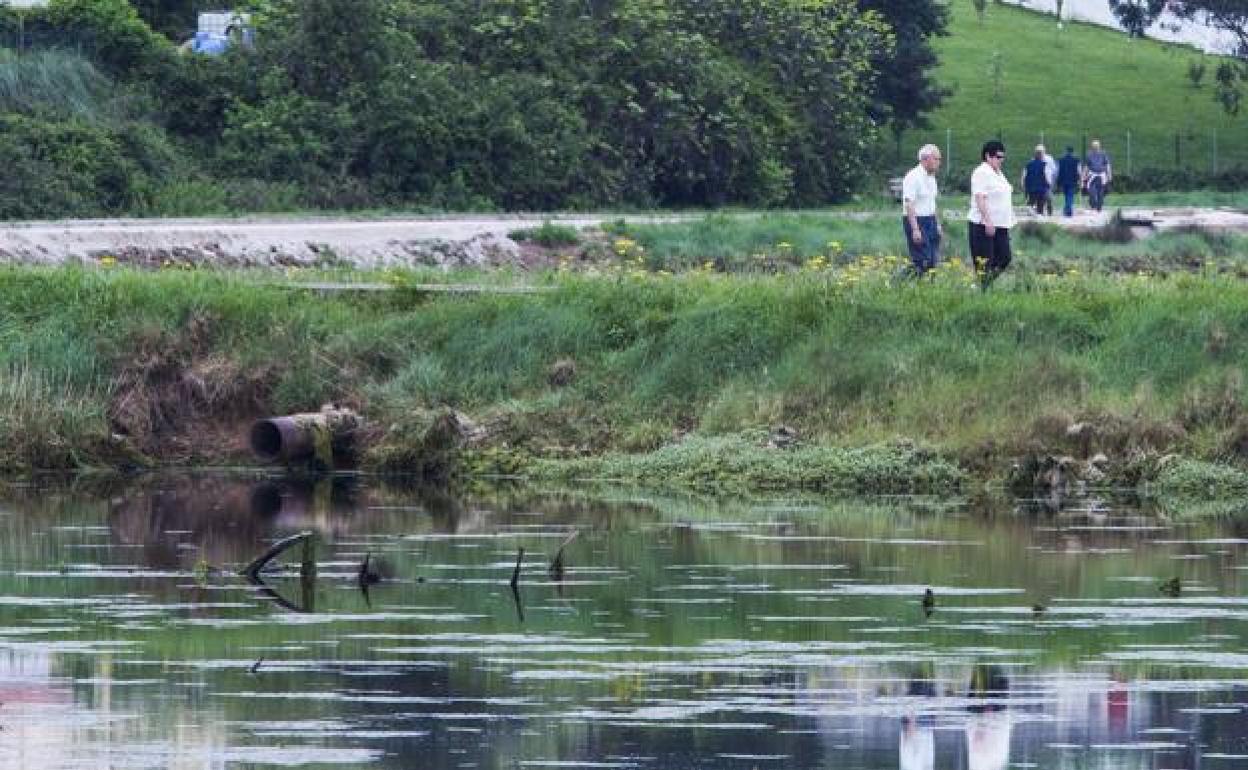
682, 633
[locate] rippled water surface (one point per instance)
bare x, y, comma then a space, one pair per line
682, 633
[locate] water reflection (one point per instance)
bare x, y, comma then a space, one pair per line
676, 634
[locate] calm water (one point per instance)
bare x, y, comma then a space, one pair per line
683, 634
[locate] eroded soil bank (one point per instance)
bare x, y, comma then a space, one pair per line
798, 380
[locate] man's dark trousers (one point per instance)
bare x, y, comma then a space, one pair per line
923, 256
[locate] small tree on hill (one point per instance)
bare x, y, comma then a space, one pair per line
1136, 16
905, 89
996, 73
1230, 16
980, 7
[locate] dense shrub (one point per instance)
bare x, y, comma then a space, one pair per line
75, 168
458, 103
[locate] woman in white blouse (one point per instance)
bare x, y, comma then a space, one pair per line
992, 214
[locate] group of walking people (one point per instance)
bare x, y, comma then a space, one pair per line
991, 213
1043, 175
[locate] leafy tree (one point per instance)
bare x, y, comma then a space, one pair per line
906, 90
176, 19
1136, 16
564, 102
1230, 16
112, 33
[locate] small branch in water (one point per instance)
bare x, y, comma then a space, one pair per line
556, 564
515, 597
255, 667
253, 570
515, 575
368, 575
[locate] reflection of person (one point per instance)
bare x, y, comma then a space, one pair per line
988, 730
991, 215
921, 223
988, 741
1068, 180
1098, 173
916, 745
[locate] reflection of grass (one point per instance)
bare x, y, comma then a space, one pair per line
634, 547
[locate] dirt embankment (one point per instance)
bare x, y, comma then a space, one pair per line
452, 242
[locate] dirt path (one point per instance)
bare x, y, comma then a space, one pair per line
276, 241
441, 242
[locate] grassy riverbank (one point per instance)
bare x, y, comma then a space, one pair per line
687, 379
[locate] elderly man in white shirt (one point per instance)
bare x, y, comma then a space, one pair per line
991, 215
920, 222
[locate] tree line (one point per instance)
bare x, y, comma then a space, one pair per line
514, 104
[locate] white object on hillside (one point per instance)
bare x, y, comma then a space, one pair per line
1168, 28
24, 3
217, 22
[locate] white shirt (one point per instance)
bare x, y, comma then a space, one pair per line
919, 189
992, 184
1050, 169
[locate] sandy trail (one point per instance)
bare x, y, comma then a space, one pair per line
444, 241
263, 241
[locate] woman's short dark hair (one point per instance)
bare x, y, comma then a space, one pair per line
991, 147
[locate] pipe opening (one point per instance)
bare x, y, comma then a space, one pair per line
266, 440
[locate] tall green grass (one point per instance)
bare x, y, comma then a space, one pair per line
1155, 364
770, 241
59, 82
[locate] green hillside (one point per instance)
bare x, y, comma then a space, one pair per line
1080, 81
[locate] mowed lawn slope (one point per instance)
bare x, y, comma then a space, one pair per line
1081, 80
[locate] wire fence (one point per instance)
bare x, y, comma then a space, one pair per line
1201, 153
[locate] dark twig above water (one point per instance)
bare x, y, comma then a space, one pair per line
556, 564
1172, 587
929, 602
254, 569
515, 574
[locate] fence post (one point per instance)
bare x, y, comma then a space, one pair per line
1128, 152
1178, 155
1215, 151
948, 150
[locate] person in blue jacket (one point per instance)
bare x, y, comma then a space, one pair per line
1036, 181
1068, 179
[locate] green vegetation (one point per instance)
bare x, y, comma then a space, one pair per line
779, 242
170, 365
548, 235
344, 104
1065, 85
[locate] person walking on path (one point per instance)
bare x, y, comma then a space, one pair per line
1068, 180
991, 215
1098, 173
1050, 176
920, 221
1036, 181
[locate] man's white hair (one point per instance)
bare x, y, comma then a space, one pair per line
927, 150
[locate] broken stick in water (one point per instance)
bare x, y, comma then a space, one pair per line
515, 574
556, 564
253, 570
